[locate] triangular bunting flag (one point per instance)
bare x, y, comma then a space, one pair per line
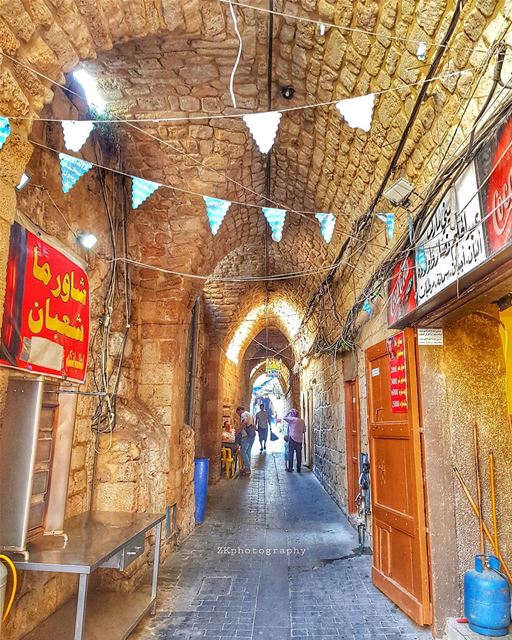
410, 226
76, 133
327, 222
141, 190
72, 169
216, 209
367, 307
389, 221
421, 257
358, 112
5, 130
263, 128
275, 218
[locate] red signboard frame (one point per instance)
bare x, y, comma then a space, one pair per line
45, 327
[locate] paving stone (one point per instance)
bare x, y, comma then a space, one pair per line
226, 592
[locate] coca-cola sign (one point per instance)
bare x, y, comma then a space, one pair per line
494, 171
402, 290
471, 224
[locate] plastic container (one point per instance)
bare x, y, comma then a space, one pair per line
487, 598
201, 466
3, 586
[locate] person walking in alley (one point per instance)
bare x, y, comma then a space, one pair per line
262, 424
246, 433
296, 431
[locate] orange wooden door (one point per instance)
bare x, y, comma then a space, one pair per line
353, 442
400, 558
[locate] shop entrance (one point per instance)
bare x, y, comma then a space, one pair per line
400, 561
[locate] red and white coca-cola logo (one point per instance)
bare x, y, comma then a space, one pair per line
498, 205
402, 290
502, 206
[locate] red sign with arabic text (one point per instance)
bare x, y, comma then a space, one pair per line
398, 373
45, 326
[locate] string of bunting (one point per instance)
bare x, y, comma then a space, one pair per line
263, 127
73, 168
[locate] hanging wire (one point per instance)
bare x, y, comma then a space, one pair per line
239, 54
332, 25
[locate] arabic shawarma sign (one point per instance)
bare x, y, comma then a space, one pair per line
45, 326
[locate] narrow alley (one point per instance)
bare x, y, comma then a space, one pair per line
239, 234
275, 559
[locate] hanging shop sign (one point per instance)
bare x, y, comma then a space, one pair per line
495, 160
397, 368
45, 326
452, 241
273, 368
467, 238
402, 290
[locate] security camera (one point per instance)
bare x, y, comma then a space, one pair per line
287, 92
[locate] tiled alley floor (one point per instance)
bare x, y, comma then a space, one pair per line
268, 564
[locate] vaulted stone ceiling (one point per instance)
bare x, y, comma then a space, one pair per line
172, 58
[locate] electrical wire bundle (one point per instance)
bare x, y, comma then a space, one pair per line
437, 191
106, 377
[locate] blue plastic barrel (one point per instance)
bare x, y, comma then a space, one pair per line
487, 597
200, 487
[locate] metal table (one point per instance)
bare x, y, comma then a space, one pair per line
95, 539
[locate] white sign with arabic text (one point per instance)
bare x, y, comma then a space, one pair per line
452, 242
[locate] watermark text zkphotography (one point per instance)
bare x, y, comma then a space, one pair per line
261, 551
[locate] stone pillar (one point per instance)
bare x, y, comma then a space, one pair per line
463, 382
440, 488
162, 377
211, 435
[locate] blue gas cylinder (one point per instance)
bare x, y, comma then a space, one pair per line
487, 597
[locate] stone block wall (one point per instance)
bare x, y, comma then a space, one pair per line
147, 462
61, 217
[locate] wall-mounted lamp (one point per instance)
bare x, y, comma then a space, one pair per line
24, 180
398, 192
86, 239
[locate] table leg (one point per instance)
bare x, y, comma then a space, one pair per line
156, 563
81, 605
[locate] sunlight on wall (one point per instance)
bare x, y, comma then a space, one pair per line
90, 88
287, 314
